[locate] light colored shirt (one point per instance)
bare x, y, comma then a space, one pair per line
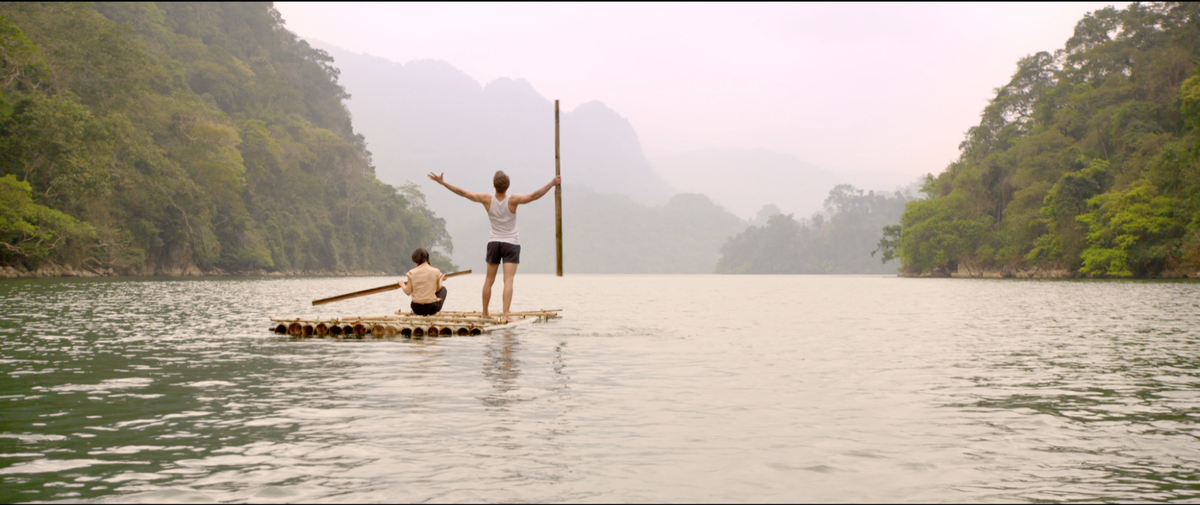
424, 281
504, 222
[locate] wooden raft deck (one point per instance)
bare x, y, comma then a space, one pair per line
405, 324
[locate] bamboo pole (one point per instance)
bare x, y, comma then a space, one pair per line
380, 289
557, 193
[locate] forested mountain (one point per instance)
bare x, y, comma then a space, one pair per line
841, 244
1085, 163
180, 138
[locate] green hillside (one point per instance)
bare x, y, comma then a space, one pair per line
1085, 163
181, 138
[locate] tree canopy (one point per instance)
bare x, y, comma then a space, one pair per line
1085, 162
155, 138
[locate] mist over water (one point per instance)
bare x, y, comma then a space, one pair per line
649, 388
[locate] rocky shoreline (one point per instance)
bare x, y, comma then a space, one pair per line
965, 272
55, 270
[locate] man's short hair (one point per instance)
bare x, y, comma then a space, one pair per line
500, 181
420, 256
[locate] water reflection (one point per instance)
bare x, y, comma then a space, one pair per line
562, 407
502, 368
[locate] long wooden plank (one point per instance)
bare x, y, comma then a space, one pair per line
372, 291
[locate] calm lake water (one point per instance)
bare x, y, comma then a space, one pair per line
649, 388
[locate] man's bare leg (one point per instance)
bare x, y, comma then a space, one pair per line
487, 287
510, 272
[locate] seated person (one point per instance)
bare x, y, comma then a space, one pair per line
424, 284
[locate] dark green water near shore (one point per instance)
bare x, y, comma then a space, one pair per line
650, 388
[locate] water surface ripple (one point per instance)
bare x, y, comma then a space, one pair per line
650, 388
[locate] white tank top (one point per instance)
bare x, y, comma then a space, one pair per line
504, 222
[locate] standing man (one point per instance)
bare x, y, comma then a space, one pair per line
503, 245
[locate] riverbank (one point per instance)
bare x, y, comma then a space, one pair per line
1031, 273
56, 270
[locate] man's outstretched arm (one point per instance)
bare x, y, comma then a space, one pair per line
483, 198
519, 199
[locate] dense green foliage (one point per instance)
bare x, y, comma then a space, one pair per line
841, 245
29, 230
157, 138
1085, 162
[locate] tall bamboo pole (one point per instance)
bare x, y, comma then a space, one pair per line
557, 192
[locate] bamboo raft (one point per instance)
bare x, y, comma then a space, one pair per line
405, 324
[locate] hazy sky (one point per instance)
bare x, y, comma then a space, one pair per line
865, 87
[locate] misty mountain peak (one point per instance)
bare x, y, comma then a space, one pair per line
510, 88
440, 72
598, 116
598, 109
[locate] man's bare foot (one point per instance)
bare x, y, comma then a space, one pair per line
508, 319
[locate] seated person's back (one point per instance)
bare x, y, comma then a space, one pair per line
425, 285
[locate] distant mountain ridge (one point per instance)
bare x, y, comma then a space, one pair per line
427, 116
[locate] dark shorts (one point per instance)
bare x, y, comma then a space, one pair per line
429, 309
497, 251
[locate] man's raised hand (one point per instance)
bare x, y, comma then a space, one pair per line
437, 177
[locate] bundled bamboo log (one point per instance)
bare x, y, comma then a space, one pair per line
404, 324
